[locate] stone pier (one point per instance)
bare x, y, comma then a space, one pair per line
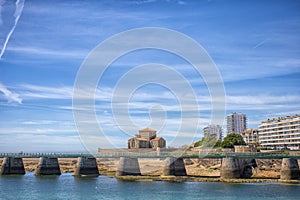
230, 168
128, 167
237, 168
47, 166
86, 167
174, 167
289, 169
12, 166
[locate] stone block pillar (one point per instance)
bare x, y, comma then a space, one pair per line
47, 166
230, 168
128, 167
174, 167
86, 167
289, 169
12, 166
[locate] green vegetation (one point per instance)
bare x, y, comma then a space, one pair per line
229, 141
233, 139
208, 142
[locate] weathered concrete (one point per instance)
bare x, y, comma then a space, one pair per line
47, 166
237, 168
230, 168
12, 166
174, 167
128, 167
86, 167
289, 169
246, 166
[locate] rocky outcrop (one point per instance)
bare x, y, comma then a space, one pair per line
246, 167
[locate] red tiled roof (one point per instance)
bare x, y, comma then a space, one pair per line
248, 131
157, 138
147, 129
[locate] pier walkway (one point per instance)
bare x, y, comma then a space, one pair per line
153, 154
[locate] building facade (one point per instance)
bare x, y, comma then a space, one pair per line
236, 123
280, 133
213, 131
146, 138
250, 136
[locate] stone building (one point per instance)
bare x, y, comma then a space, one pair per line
146, 138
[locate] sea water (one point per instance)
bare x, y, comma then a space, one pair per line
68, 187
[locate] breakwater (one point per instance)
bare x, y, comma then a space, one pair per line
240, 168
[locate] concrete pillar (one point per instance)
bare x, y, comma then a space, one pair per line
12, 166
289, 169
86, 167
174, 167
47, 166
230, 168
128, 166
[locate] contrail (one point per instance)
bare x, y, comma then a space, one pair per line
18, 12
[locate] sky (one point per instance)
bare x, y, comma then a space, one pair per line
255, 46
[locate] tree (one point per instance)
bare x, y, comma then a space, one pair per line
208, 141
218, 144
233, 139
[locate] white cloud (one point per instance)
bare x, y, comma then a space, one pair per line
17, 14
50, 52
2, 2
10, 96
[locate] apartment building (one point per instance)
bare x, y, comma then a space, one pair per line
280, 133
236, 123
214, 131
250, 136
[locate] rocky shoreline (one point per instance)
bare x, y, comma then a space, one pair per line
204, 170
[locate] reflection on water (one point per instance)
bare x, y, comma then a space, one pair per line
68, 187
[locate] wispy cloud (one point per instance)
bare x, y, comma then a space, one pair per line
9, 95
260, 44
17, 15
50, 52
2, 2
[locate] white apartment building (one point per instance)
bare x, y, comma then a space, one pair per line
213, 130
250, 136
236, 123
280, 133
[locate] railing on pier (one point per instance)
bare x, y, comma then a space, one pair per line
152, 154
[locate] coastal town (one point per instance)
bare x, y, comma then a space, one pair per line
282, 133
238, 157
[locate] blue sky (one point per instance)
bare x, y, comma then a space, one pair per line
254, 44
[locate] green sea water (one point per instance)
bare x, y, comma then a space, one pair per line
68, 187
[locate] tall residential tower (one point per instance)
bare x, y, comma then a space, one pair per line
214, 131
236, 123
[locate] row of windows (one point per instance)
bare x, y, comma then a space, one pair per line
264, 125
